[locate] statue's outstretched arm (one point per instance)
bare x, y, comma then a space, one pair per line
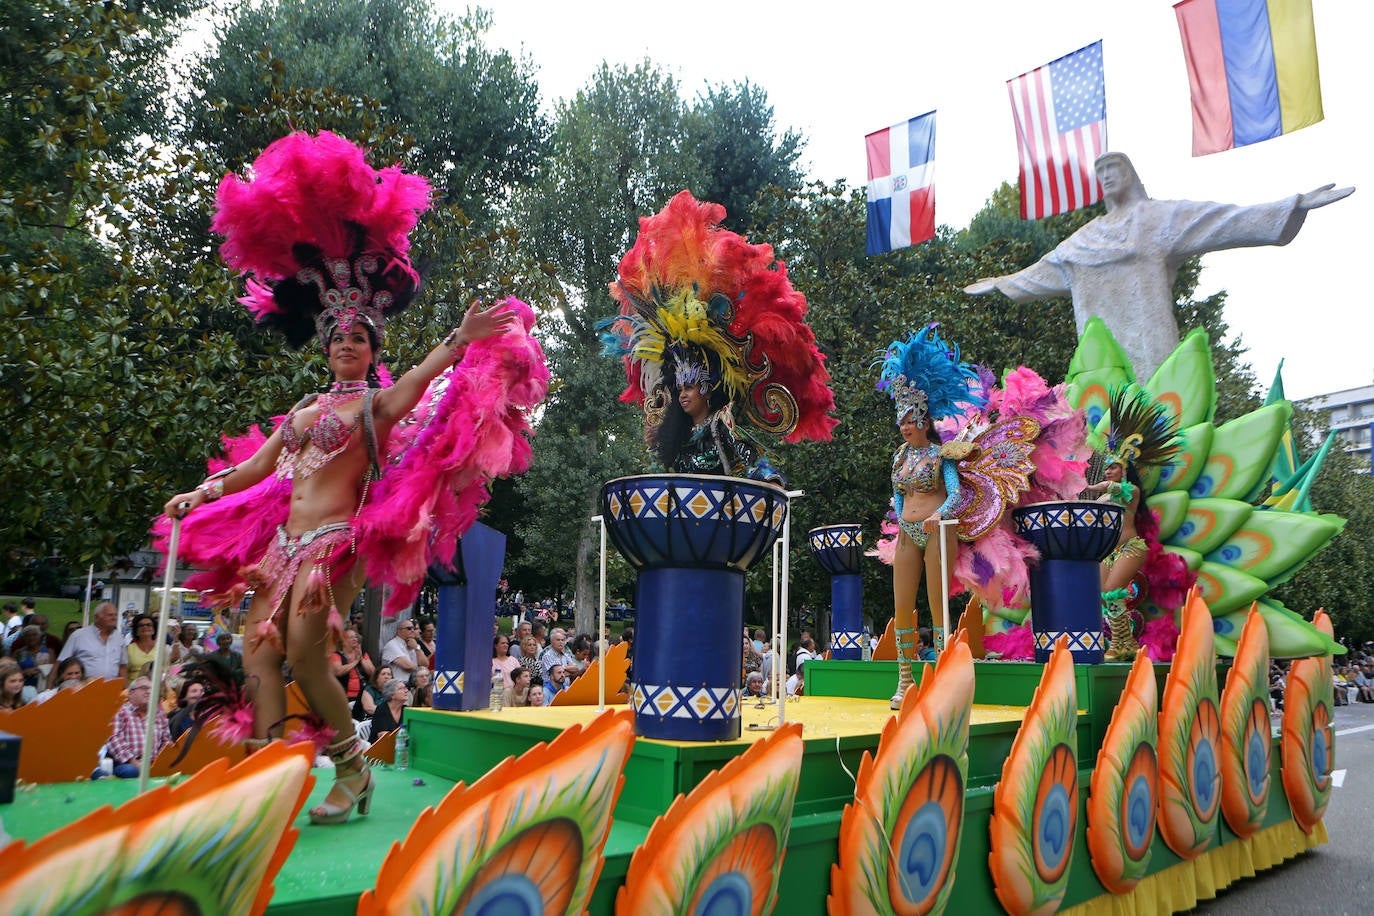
1326, 194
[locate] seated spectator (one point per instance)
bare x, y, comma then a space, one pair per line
99, 645
143, 648
558, 653
557, 683
67, 631
753, 661
754, 687
185, 649
537, 630
370, 697
422, 688
184, 717
925, 645
796, 683
536, 695
502, 662
126, 743
35, 659
1364, 685
71, 674
224, 651
351, 665
518, 693
582, 655
427, 646
390, 712
529, 658
13, 691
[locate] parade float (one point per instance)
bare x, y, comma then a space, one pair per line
1018, 786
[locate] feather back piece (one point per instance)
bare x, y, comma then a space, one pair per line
1142, 431
324, 234
693, 292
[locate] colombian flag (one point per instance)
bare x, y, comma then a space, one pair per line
1252, 70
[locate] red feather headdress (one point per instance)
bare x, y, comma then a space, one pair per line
689, 286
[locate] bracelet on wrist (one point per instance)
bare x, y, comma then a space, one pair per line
213, 489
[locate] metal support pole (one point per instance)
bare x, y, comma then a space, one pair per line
601, 617
145, 761
944, 576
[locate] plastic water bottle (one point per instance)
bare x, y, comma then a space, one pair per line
497, 694
866, 652
402, 748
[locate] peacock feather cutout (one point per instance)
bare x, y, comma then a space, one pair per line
719, 849
1208, 498
899, 839
1189, 738
1035, 805
1307, 738
211, 845
1124, 791
525, 838
1245, 737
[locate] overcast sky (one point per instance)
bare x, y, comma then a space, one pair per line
837, 71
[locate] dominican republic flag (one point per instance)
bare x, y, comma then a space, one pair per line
1061, 127
1252, 70
901, 184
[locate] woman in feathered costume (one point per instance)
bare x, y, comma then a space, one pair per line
711, 331
927, 382
1141, 435
326, 237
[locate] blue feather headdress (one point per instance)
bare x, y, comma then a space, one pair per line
923, 374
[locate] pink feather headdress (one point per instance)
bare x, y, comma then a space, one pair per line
325, 236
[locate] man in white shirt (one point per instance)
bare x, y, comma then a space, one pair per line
99, 646
400, 651
558, 653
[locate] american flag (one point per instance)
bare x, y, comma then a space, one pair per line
1061, 127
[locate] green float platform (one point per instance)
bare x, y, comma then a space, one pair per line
842, 716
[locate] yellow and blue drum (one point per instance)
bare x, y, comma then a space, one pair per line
690, 538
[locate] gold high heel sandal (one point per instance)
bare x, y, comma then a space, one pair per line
342, 752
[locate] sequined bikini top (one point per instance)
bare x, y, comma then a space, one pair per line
915, 470
324, 440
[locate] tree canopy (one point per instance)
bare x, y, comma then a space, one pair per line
127, 354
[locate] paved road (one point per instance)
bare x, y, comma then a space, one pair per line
1332, 880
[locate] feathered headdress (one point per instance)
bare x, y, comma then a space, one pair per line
1142, 433
701, 304
323, 233
923, 374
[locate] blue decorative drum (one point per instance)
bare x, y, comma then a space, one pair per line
1066, 586
690, 538
838, 548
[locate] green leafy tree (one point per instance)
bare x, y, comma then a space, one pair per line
472, 112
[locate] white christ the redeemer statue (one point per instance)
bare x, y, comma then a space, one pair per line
1121, 266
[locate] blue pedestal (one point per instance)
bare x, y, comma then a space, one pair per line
839, 550
687, 654
1066, 586
690, 538
467, 609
